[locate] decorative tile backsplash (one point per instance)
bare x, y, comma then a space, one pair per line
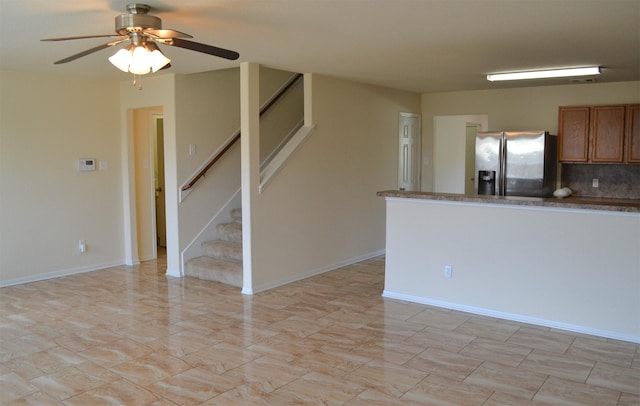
615, 181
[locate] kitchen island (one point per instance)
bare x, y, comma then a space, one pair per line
570, 263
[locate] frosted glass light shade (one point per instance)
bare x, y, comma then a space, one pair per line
139, 59
121, 59
140, 63
158, 60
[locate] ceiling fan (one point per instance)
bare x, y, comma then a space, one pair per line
143, 30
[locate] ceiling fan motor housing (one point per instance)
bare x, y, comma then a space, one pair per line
137, 20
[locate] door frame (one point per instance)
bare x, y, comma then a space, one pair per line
144, 135
157, 118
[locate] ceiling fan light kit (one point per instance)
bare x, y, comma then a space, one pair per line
139, 59
544, 74
143, 30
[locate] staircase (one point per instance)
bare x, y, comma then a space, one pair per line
222, 259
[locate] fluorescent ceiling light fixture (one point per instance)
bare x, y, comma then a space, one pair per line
542, 74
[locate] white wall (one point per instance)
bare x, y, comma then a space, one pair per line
516, 109
572, 269
321, 210
47, 123
449, 151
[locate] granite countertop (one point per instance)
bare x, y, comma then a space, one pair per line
572, 202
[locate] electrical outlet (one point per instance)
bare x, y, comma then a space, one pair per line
447, 271
82, 246
595, 182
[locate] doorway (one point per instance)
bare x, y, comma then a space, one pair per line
148, 137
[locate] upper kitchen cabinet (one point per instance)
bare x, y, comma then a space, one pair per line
632, 147
607, 134
573, 134
599, 134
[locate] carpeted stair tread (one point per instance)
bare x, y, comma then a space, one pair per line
227, 250
211, 269
230, 231
221, 259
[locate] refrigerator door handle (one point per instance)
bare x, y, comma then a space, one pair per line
502, 178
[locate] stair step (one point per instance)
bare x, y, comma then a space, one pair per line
230, 231
210, 269
227, 250
222, 258
236, 215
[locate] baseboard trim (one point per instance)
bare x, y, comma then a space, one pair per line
513, 317
174, 273
58, 274
312, 273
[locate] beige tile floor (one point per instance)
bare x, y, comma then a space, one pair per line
131, 336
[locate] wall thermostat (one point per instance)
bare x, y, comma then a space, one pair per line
86, 164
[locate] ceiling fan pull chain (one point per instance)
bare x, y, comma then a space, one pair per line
136, 82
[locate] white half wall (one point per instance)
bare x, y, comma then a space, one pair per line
572, 269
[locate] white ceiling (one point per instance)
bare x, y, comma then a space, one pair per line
418, 45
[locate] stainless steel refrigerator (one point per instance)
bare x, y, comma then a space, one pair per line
510, 163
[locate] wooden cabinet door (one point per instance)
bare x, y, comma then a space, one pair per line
573, 134
607, 134
633, 134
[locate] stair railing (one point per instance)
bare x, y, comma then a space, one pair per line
236, 136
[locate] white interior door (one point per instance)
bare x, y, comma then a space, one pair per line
409, 152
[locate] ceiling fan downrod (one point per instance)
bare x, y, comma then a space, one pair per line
138, 8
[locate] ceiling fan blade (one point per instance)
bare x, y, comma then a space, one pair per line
166, 34
90, 51
82, 37
167, 66
204, 48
